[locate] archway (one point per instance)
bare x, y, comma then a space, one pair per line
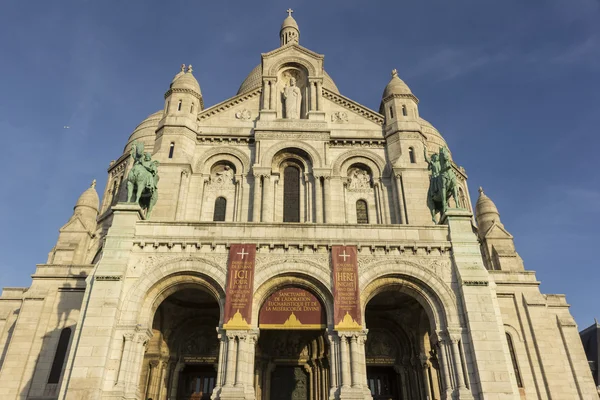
182, 356
401, 360
292, 352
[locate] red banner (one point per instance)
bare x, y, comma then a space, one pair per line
346, 297
292, 308
240, 284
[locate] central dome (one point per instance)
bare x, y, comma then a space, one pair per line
254, 81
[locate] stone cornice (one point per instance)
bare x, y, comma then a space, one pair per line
353, 106
227, 104
186, 91
401, 96
295, 46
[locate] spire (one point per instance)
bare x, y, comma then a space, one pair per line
289, 33
486, 212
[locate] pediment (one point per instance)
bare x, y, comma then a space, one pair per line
242, 109
293, 48
75, 224
341, 110
497, 231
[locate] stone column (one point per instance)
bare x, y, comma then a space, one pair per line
266, 94
175, 381
387, 211
400, 199
345, 361
256, 201
327, 217
458, 369
444, 367
313, 95
182, 195
203, 182
251, 339
319, 98
231, 360
333, 365
318, 199
272, 94
378, 207
139, 343
222, 359
241, 361
355, 361
425, 373
306, 200
267, 207
345, 183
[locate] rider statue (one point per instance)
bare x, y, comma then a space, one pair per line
144, 178
442, 183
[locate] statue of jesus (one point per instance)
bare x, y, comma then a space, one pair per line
293, 100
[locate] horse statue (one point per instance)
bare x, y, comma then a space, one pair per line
142, 180
442, 183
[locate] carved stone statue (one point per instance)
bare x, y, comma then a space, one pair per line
143, 177
224, 177
292, 100
359, 179
442, 183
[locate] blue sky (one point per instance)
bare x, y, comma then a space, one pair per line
513, 86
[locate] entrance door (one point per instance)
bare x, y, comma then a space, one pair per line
289, 383
382, 383
197, 382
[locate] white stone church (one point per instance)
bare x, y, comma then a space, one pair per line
290, 255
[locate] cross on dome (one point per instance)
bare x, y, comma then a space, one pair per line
394, 72
289, 11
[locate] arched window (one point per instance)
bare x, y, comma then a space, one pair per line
167, 106
171, 149
179, 106
220, 208
291, 194
115, 189
362, 214
513, 357
404, 112
391, 112
411, 155
60, 355
192, 108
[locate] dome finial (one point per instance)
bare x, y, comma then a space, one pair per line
182, 67
190, 69
394, 73
289, 33
93, 185
481, 191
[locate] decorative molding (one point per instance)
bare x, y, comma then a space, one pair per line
292, 135
244, 114
476, 283
401, 96
297, 125
339, 117
186, 91
373, 143
353, 106
108, 277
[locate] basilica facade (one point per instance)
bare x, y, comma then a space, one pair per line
288, 243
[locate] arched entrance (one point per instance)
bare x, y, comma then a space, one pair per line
182, 356
401, 361
292, 351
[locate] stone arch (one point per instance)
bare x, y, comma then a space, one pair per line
302, 280
235, 156
370, 159
312, 70
514, 333
153, 287
317, 271
431, 292
267, 157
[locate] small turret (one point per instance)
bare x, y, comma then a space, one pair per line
74, 237
497, 244
289, 33
486, 213
398, 103
184, 97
